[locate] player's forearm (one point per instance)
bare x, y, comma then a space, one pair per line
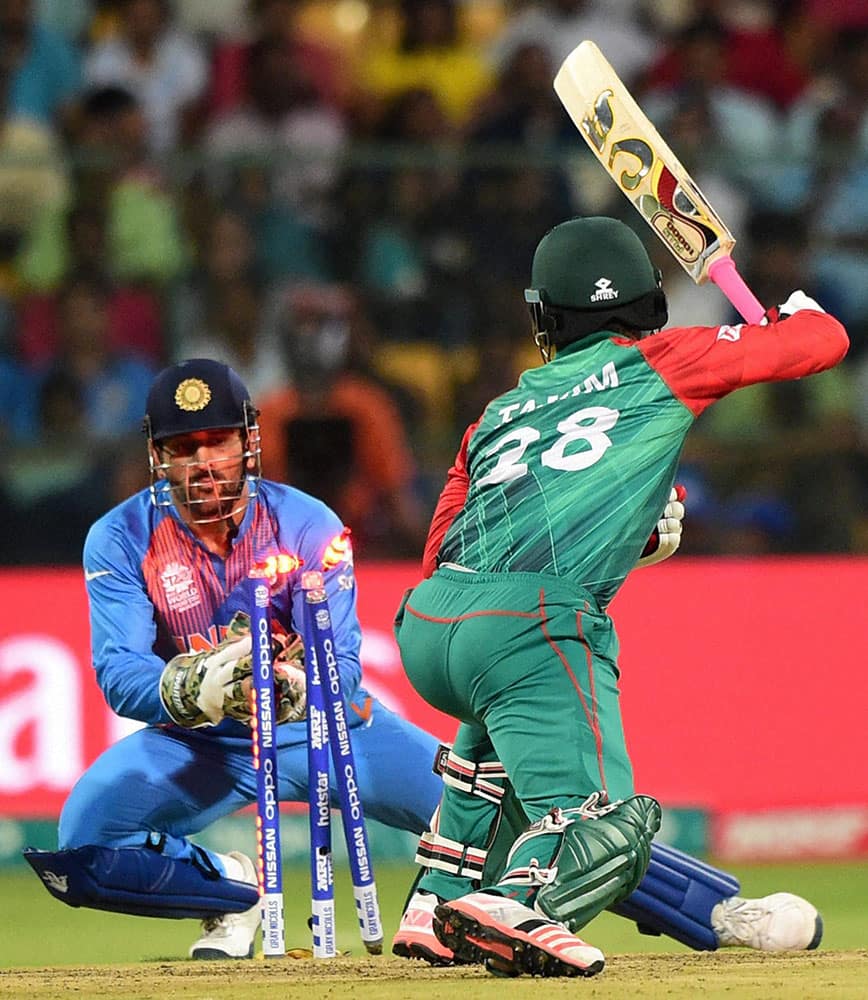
803, 344
703, 364
130, 684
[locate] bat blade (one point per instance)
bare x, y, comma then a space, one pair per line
648, 172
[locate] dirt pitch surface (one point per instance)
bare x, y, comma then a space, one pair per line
802, 976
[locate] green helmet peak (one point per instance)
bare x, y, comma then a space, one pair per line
590, 271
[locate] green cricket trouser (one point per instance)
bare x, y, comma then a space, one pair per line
527, 662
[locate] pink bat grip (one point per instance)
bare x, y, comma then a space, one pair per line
724, 274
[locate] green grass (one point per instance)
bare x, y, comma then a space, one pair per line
37, 930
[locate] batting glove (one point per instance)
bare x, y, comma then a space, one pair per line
797, 301
666, 536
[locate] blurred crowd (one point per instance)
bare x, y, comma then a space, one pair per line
341, 199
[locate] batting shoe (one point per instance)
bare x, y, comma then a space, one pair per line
780, 922
415, 935
511, 938
231, 935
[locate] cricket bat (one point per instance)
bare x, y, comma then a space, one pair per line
646, 170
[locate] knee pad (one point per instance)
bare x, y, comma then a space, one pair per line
601, 857
140, 881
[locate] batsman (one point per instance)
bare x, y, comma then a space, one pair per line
550, 503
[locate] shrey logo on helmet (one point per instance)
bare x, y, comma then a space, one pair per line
604, 292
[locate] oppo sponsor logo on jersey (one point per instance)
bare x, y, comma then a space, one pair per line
180, 587
607, 379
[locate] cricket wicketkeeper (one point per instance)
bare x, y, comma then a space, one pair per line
166, 574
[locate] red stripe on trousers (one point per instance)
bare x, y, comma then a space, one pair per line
591, 716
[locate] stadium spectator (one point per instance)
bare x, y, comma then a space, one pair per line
792, 446
429, 54
510, 208
40, 71
559, 25
275, 20
522, 107
212, 21
827, 135
32, 174
163, 68
76, 243
145, 242
409, 244
225, 311
338, 427
235, 330
111, 386
69, 18
39, 77
49, 471
690, 133
747, 128
759, 34
17, 399
284, 124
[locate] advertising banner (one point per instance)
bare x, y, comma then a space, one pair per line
743, 682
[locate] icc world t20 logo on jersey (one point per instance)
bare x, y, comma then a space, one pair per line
180, 587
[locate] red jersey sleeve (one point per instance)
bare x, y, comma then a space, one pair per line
704, 363
451, 500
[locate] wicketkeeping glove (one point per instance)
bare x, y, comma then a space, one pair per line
666, 536
290, 680
200, 689
197, 688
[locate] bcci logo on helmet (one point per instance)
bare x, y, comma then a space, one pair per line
604, 292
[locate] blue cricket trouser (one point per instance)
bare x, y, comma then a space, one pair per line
173, 782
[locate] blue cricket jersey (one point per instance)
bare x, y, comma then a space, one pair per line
154, 591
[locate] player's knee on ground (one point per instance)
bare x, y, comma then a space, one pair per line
141, 882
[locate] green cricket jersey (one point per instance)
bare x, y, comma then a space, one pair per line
568, 473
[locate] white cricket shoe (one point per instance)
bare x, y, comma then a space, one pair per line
231, 935
512, 938
779, 922
415, 936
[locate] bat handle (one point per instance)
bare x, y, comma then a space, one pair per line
724, 274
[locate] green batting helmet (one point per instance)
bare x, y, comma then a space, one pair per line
589, 272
